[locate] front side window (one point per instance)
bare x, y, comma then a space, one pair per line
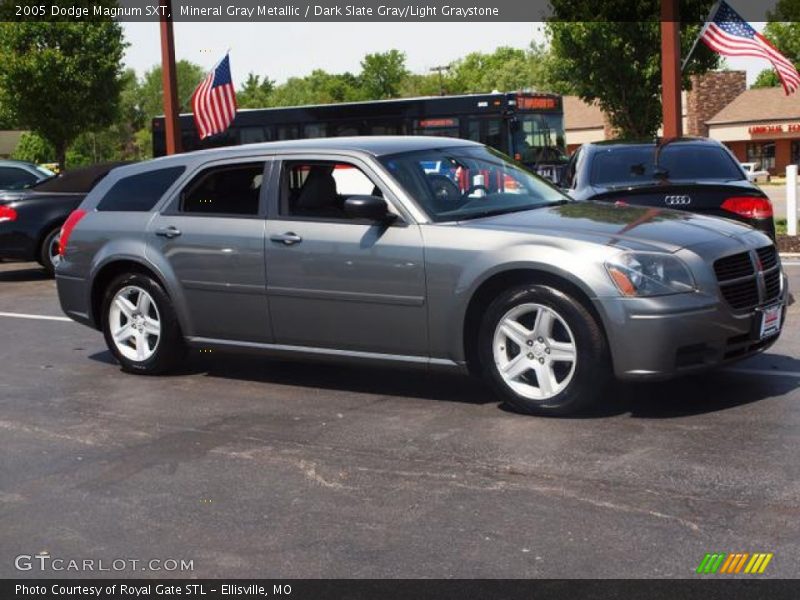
229, 190
465, 182
318, 189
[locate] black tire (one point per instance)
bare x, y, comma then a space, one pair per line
592, 369
44, 258
170, 348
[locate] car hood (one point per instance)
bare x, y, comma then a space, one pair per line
610, 224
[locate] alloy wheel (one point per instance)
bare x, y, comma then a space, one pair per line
534, 351
134, 323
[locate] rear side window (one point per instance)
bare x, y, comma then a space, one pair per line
139, 193
231, 190
12, 177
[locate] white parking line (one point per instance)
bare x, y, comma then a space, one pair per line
772, 372
37, 317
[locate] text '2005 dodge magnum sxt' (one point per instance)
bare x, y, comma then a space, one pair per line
410, 250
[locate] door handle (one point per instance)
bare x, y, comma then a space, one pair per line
168, 232
287, 238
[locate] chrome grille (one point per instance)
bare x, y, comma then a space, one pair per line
734, 267
768, 256
749, 279
772, 285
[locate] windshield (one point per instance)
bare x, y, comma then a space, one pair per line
539, 138
451, 184
636, 164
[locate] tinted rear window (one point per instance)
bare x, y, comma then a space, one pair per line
139, 193
677, 162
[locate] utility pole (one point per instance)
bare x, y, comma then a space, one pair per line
169, 80
440, 69
670, 69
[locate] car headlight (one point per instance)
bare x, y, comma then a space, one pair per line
649, 274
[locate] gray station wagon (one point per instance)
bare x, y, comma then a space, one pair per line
433, 252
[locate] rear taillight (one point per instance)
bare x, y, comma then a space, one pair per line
66, 229
749, 207
7, 214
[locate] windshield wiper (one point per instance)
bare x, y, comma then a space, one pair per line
503, 211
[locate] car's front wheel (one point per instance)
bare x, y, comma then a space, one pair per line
140, 325
543, 351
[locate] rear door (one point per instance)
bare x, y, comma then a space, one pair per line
212, 235
336, 282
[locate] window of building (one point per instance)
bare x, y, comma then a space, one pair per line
762, 153
318, 189
231, 189
139, 193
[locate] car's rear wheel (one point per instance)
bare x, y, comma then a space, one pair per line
140, 325
48, 251
543, 351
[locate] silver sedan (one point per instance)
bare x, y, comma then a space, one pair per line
428, 252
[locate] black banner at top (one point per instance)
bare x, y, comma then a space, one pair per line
366, 10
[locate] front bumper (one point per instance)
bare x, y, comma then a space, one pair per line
667, 336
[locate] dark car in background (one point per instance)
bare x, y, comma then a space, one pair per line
693, 174
18, 174
31, 218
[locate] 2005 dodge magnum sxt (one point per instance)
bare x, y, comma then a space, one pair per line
427, 251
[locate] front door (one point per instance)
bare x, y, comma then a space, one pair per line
339, 283
212, 237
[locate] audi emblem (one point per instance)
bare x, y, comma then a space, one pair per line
677, 200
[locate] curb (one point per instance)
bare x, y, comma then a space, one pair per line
789, 254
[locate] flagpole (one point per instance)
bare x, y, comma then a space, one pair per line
714, 9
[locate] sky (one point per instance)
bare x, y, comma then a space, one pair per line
283, 50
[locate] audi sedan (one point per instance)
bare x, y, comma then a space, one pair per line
694, 174
357, 249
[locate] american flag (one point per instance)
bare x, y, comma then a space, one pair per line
730, 35
214, 101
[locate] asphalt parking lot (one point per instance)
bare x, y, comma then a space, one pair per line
262, 468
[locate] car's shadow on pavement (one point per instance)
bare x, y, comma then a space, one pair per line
25, 273
691, 395
400, 382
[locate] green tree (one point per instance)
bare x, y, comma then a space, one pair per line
61, 79
319, 87
382, 74
425, 84
118, 141
618, 63
505, 69
785, 10
151, 91
786, 38
255, 92
33, 148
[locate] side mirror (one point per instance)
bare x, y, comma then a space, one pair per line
372, 208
